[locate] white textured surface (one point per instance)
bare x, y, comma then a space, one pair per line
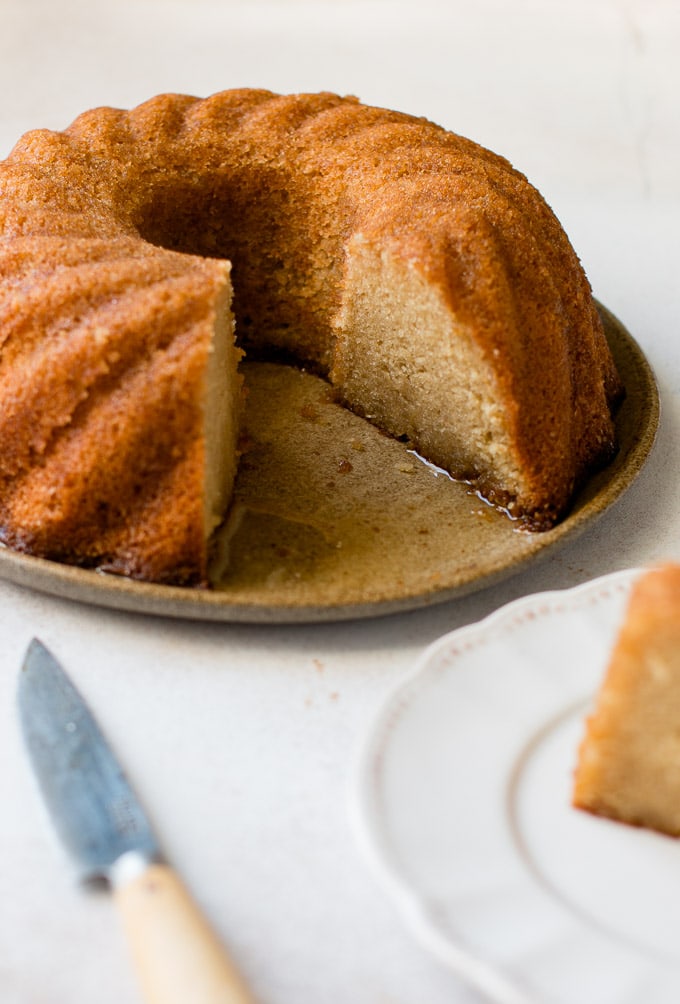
242, 739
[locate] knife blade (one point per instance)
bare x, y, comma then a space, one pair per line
106, 831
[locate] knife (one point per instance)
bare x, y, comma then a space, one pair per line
178, 957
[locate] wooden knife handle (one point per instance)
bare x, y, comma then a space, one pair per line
178, 957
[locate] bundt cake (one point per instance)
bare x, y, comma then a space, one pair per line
629, 760
421, 274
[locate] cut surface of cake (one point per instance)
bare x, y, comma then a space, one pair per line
422, 275
629, 760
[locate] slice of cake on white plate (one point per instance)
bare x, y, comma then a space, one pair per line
629, 760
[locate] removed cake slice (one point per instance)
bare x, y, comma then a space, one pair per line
629, 760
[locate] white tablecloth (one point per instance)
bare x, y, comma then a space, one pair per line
242, 739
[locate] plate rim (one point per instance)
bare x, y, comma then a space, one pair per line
94, 587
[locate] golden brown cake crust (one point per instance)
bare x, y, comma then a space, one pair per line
629, 759
109, 238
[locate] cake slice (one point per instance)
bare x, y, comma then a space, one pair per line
629, 760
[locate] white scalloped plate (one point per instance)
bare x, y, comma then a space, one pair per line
462, 805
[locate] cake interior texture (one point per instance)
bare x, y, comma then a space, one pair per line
422, 275
221, 416
629, 760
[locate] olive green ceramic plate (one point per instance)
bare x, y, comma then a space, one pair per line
334, 520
